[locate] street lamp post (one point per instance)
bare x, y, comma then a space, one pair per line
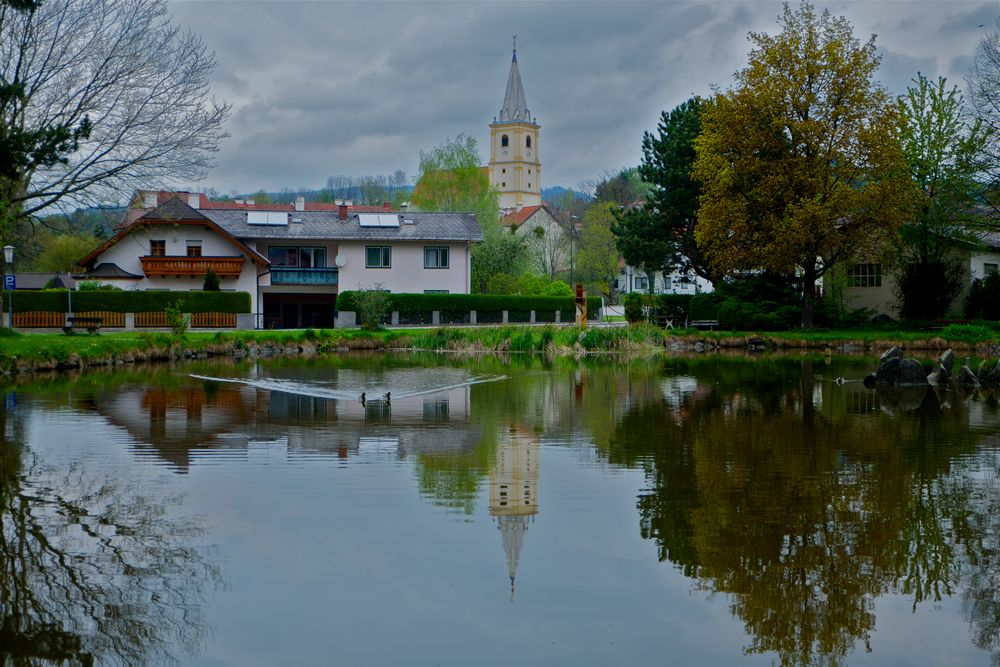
8, 258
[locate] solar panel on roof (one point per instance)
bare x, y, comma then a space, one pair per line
378, 220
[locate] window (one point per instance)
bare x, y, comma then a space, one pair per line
504, 141
990, 269
194, 248
158, 248
641, 282
290, 256
503, 171
378, 257
527, 141
864, 275
504, 184
436, 257
668, 284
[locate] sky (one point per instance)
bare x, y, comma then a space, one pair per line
329, 88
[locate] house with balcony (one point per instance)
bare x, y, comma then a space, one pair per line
292, 259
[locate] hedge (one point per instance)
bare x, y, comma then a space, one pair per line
127, 302
411, 305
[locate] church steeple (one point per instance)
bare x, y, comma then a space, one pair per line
515, 168
515, 106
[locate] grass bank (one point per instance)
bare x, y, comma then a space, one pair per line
47, 351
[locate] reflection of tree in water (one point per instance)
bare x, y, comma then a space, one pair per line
92, 571
803, 515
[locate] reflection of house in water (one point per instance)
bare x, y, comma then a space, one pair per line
174, 424
514, 492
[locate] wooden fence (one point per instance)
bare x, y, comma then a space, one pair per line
42, 319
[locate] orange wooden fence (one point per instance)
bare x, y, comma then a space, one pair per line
213, 320
150, 319
40, 319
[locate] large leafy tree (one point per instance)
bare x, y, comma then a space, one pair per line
452, 180
659, 235
596, 254
946, 153
800, 162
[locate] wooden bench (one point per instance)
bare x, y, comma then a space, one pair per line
664, 321
704, 324
91, 324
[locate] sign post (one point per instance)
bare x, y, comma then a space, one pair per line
581, 307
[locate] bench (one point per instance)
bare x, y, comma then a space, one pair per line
91, 324
703, 324
664, 321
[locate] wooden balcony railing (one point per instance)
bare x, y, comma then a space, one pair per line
224, 267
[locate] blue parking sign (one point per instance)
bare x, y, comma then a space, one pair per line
9, 282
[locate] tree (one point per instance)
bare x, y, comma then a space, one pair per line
60, 252
547, 247
984, 94
945, 153
100, 97
659, 235
624, 188
597, 255
451, 180
800, 164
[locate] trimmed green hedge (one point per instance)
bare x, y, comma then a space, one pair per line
413, 304
127, 302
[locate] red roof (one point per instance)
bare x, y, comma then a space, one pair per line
520, 217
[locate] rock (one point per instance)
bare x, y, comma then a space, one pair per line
910, 373
966, 378
891, 353
993, 378
947, 360
983, 372
898, 372
897, 400
886, 371
869, 381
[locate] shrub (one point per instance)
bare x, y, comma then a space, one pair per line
413, 306
636, 307
984, 298
176, 319
91, 286
372, 307
211, 283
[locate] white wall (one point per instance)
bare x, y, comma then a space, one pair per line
127, 253
625, 283
407, 273
978, 259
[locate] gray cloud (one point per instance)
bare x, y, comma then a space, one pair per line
322, 88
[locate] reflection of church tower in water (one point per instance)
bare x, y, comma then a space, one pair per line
514, 493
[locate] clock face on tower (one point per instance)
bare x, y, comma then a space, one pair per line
528, 152
503, 151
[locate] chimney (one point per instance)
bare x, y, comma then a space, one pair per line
405, 205
386, 206
149, 199
300, 203
342, 211
194, 200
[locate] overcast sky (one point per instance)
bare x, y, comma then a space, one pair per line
325, 88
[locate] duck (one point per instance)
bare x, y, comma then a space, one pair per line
387, 397
362, 398
840, 380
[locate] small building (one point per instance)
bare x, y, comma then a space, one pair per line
631, 279
545, 236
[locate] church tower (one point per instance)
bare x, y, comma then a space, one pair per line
515, 170
514, 493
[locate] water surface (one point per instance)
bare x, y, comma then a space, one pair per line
703, 511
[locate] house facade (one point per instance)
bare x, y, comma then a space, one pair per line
292, 259
631, 279
546, 238
874, 286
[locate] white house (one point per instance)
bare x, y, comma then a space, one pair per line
292, 259
631, 279
546, 238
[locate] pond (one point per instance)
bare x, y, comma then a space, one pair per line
703, 510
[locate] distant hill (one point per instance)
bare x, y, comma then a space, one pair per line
558, 192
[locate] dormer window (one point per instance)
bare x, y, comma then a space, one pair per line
527, 141
504, 141
158, 248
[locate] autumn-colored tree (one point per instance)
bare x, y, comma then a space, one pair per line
800, 162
